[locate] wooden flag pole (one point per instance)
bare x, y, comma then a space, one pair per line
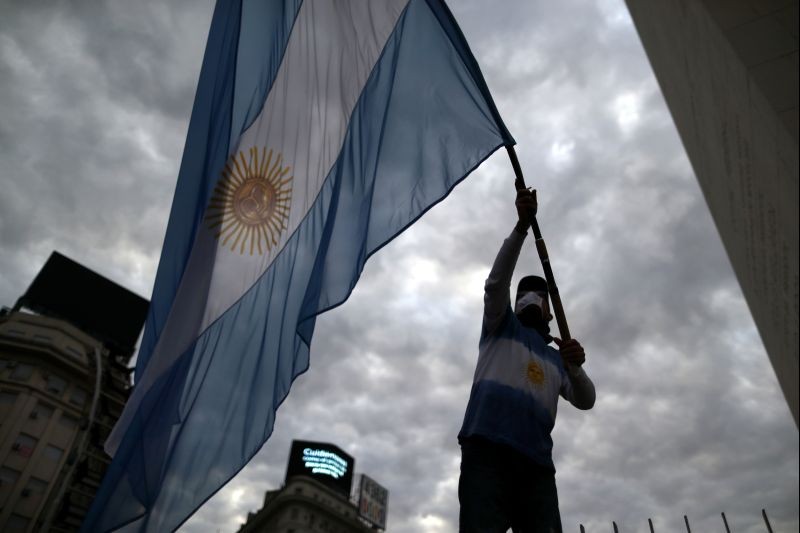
555, 297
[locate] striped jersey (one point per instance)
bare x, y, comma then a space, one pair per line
518, 377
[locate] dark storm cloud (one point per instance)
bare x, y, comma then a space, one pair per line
95, 100
94, 104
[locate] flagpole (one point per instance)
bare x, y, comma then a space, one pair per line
552, 289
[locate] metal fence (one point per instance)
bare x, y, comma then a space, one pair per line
688, 527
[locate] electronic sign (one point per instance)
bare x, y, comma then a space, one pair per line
325, 462
373, 502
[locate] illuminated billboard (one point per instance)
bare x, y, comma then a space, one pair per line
325, 462
373, 502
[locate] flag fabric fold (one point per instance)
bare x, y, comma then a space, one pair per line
320, 131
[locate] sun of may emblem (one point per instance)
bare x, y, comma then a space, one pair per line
249, 208
535, 373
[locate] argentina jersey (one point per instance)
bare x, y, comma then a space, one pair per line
515, 390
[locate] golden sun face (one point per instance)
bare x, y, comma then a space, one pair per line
249, 208
535, 374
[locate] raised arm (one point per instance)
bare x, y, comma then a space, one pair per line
497, 288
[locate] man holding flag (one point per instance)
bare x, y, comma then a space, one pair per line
507, 473
320, 131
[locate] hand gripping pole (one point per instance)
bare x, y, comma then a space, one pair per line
552, 289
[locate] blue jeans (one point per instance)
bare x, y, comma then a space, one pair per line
500, 488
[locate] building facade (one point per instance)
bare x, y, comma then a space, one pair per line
729, 74
61, 391
304, 505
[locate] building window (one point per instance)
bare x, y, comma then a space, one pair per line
36, 486
8, 398
22, 372
3, 364
24, 445
53, 453
56, 385
17, 523
42, 412
68, 422
78, 397
8, 476
41, 337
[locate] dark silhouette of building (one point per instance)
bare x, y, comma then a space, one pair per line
64, 352
316, 496
305, 505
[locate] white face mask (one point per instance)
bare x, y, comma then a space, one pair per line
528, 298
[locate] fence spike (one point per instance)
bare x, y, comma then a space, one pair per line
725, 520
686, 519
650, 523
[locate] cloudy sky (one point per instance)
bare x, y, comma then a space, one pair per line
95, 100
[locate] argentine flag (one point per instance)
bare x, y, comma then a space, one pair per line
321, 129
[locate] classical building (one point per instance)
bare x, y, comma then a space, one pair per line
316, 496
729, 73
304, 505
64, 350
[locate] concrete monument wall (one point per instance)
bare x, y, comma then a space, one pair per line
728, 71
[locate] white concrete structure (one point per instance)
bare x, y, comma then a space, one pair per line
729, 73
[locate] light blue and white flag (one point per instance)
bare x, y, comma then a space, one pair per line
320, 130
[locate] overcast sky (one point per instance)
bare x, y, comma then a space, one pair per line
95, 99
